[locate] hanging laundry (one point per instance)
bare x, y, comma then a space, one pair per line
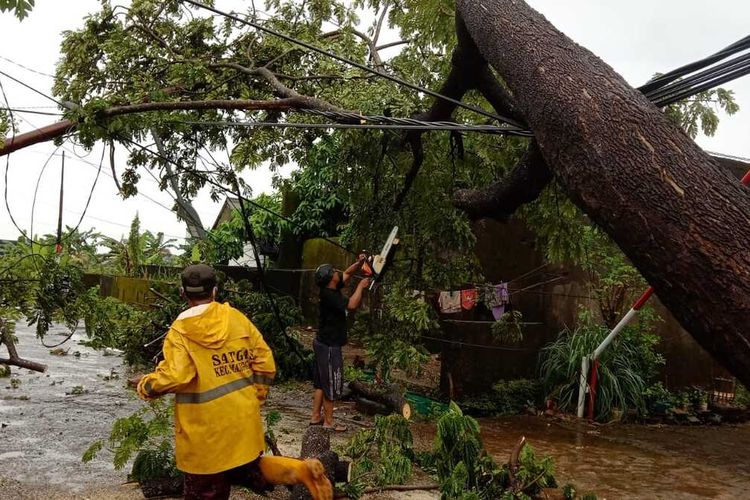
503, 290
469, 298
450, 302
498, 303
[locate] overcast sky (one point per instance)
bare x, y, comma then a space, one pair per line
638, 38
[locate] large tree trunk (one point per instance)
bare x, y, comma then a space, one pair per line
681, 220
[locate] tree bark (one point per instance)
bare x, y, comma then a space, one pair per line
681, 220
391, 396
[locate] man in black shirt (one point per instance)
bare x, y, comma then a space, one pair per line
328, 373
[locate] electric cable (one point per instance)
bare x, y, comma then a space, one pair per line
698, 77
46, 96
673, 75
350, 62
30, 111
418, 125
36, 188
32, 70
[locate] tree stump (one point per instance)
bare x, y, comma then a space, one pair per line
316, 443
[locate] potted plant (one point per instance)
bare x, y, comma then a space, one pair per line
698, 399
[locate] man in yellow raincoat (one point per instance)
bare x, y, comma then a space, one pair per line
219, 367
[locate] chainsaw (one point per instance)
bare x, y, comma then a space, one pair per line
375, 266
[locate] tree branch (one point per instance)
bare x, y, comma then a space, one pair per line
379, 26
392, 44
233, 104
500, 200
369, 41
185, 209
112, 166
280, 89
466, 60
500, 99
13, 358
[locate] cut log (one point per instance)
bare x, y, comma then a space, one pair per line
369, 407
316, 443
391, 396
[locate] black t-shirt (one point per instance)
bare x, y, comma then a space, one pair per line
332, 323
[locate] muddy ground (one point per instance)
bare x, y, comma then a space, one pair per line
48, 420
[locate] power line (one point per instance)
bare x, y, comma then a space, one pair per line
470, 344
177, 202
36, 188
30, 111
705, 83
139, 193
83, 214
351, 62
673, 75
26, 85
26, 67
423, 125
226, 190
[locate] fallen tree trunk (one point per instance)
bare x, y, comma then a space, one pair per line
316, 443
392, 396
680, 219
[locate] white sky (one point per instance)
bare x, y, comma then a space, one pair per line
638, 38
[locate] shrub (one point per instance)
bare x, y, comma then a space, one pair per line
507, 397
148, 435
627, 366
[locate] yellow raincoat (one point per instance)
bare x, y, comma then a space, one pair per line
219, 366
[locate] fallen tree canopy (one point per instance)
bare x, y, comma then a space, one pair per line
681, 220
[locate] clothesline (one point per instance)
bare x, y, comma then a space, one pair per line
470, 344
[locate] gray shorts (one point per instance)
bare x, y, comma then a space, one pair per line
328, 372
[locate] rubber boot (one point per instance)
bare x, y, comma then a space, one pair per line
310, 472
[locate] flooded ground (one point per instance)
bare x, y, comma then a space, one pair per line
48, 420
628, 461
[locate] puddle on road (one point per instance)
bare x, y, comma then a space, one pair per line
631, 461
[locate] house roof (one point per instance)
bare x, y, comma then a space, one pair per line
736, 164
230, 205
